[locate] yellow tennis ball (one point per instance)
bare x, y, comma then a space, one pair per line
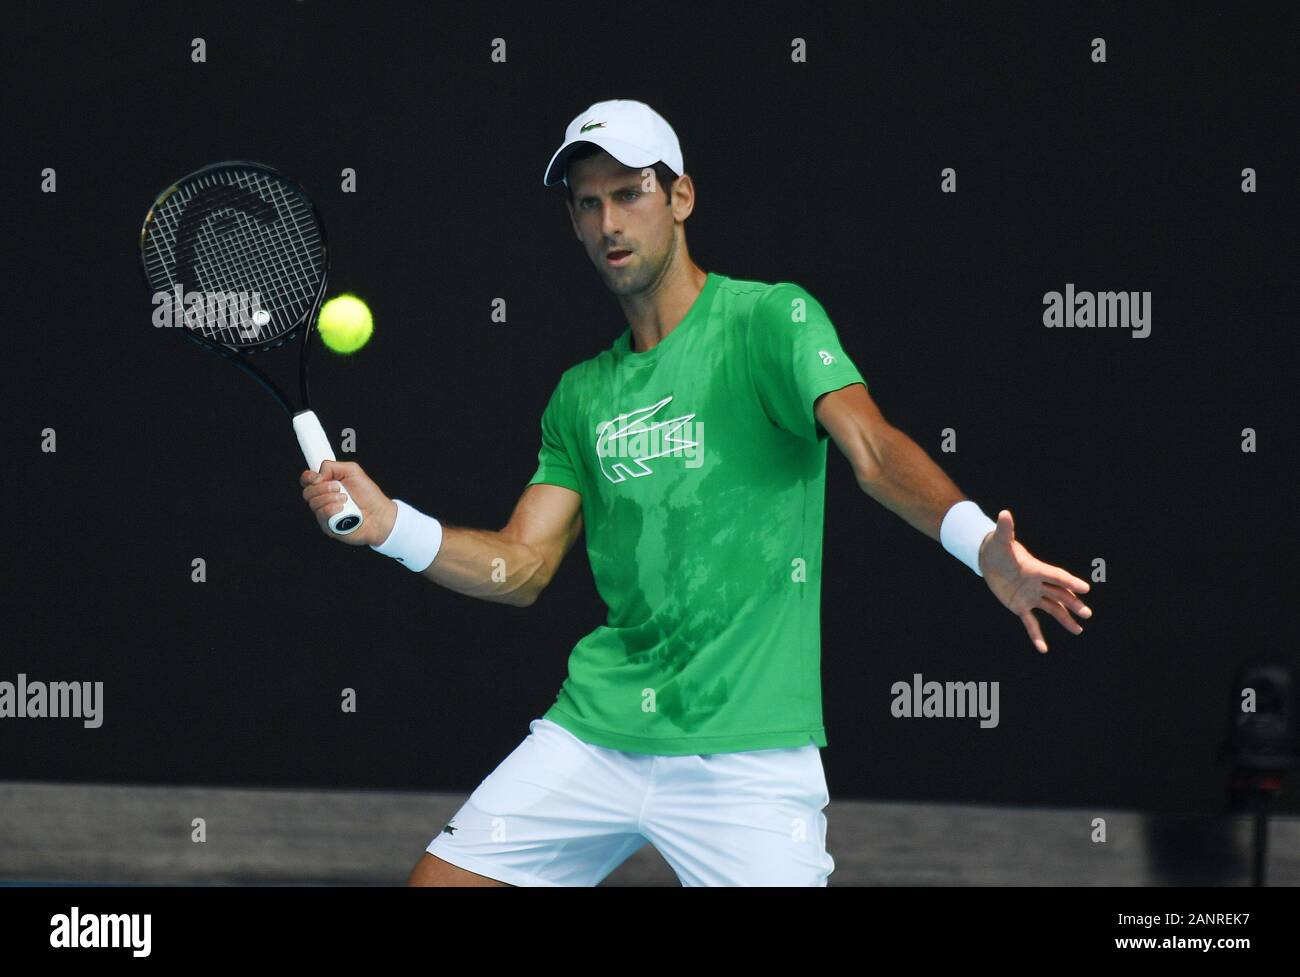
345, 324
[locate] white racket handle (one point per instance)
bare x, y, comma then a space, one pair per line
316, 449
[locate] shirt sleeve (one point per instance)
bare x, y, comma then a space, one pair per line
795, 356
555, 463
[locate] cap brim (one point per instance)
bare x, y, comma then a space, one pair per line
625, 153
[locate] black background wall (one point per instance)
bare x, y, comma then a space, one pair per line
1124, 175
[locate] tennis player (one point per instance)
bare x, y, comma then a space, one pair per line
693, 452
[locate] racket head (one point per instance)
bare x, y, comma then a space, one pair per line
249, 244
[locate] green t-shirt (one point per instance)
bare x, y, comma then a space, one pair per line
702, 471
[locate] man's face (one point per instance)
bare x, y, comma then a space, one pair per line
614, 211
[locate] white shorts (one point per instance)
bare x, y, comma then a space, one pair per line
560, 811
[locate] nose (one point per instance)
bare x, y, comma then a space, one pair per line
610, 222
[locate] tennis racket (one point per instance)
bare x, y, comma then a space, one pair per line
236, 258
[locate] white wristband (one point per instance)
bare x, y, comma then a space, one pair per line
962, 531
415, 539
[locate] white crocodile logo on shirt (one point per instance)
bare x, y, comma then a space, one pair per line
629, 436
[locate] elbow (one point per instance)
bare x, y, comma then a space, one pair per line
538, 578
867, 470
535, 584
868, 480
864, 479
868, 458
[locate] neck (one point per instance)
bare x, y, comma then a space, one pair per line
653, 314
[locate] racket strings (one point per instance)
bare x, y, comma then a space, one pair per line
244, 233
192, 246
211, 264
260, 258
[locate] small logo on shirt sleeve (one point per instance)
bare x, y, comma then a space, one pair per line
827, 358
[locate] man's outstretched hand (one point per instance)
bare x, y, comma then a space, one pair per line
1024, 583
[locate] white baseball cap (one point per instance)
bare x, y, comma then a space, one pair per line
632, 132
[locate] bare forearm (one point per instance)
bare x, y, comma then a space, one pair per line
903, 478
484, 563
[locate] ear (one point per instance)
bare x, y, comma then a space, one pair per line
682, 197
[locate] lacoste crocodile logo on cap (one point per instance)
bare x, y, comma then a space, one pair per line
592, 125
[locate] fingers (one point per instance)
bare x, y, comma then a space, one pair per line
1058, 602
326, 500
1068, 598
325, 494
1004, 529
339, 469
1035, 633
330, 469
325, 487
324, 509
1058, 611
1067, 581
